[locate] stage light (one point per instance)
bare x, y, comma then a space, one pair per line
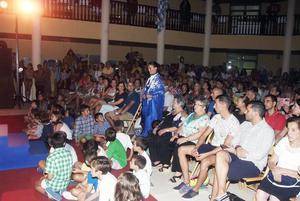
28, 6
3, 4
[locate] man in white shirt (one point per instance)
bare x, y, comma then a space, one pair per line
249, 155
225, 126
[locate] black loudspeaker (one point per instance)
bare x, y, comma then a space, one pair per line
6, 79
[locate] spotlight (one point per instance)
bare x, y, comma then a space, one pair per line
3, 4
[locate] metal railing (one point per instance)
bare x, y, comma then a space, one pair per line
145, 16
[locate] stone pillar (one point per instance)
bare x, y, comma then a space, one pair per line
288, 36
36, 41
206, 48
160, 46
104, 30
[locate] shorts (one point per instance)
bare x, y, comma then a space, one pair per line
205, 148
288, 187
126, 116
54, 195
239, 169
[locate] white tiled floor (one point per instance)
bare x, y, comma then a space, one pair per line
163, 189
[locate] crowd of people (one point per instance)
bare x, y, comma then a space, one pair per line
237, 124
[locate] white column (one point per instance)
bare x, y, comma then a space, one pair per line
288, 36
207, 35
104, 30
161, 45
36, 41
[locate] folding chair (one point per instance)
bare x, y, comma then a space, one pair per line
251, 182
196, 168
134, 118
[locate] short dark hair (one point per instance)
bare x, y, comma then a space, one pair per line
57, 139
253, 89
90, 146
139, 161
273, 98
224, 99
101, 163
90, 156
97, 115
142, 143
84, 107
110, 134
294, 119
154, 63
259, 107
119, 124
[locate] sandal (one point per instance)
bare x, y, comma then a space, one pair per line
163, 167
155, 164
174, 179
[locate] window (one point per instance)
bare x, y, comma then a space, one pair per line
243, 61
245, 9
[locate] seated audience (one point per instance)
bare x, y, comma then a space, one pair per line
100, 127
140, 146
56, 177
129, 108
84, 125
214, 93
137, 165
282, 182
124, 138
273, 117
225, 126
115, 150
248, 157
160, 138
101, 168
188, 132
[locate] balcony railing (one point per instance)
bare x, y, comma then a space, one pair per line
145, 16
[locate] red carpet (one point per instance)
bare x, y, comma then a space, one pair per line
18, 185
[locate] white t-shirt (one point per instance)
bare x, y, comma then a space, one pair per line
107, 187
125, 140
65, 128
288, 157
168, 101
223, 127
144, 182
148, 167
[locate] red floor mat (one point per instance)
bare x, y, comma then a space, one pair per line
16, 123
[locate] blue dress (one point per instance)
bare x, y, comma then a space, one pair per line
152, 108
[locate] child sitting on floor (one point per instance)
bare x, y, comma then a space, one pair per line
106, 181
100, 127
29, 117
56, 177
35, 128
138, 164
123, 138
67, 146
115, 150
82, 174
140, 146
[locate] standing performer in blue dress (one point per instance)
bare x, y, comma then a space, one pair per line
153, 99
